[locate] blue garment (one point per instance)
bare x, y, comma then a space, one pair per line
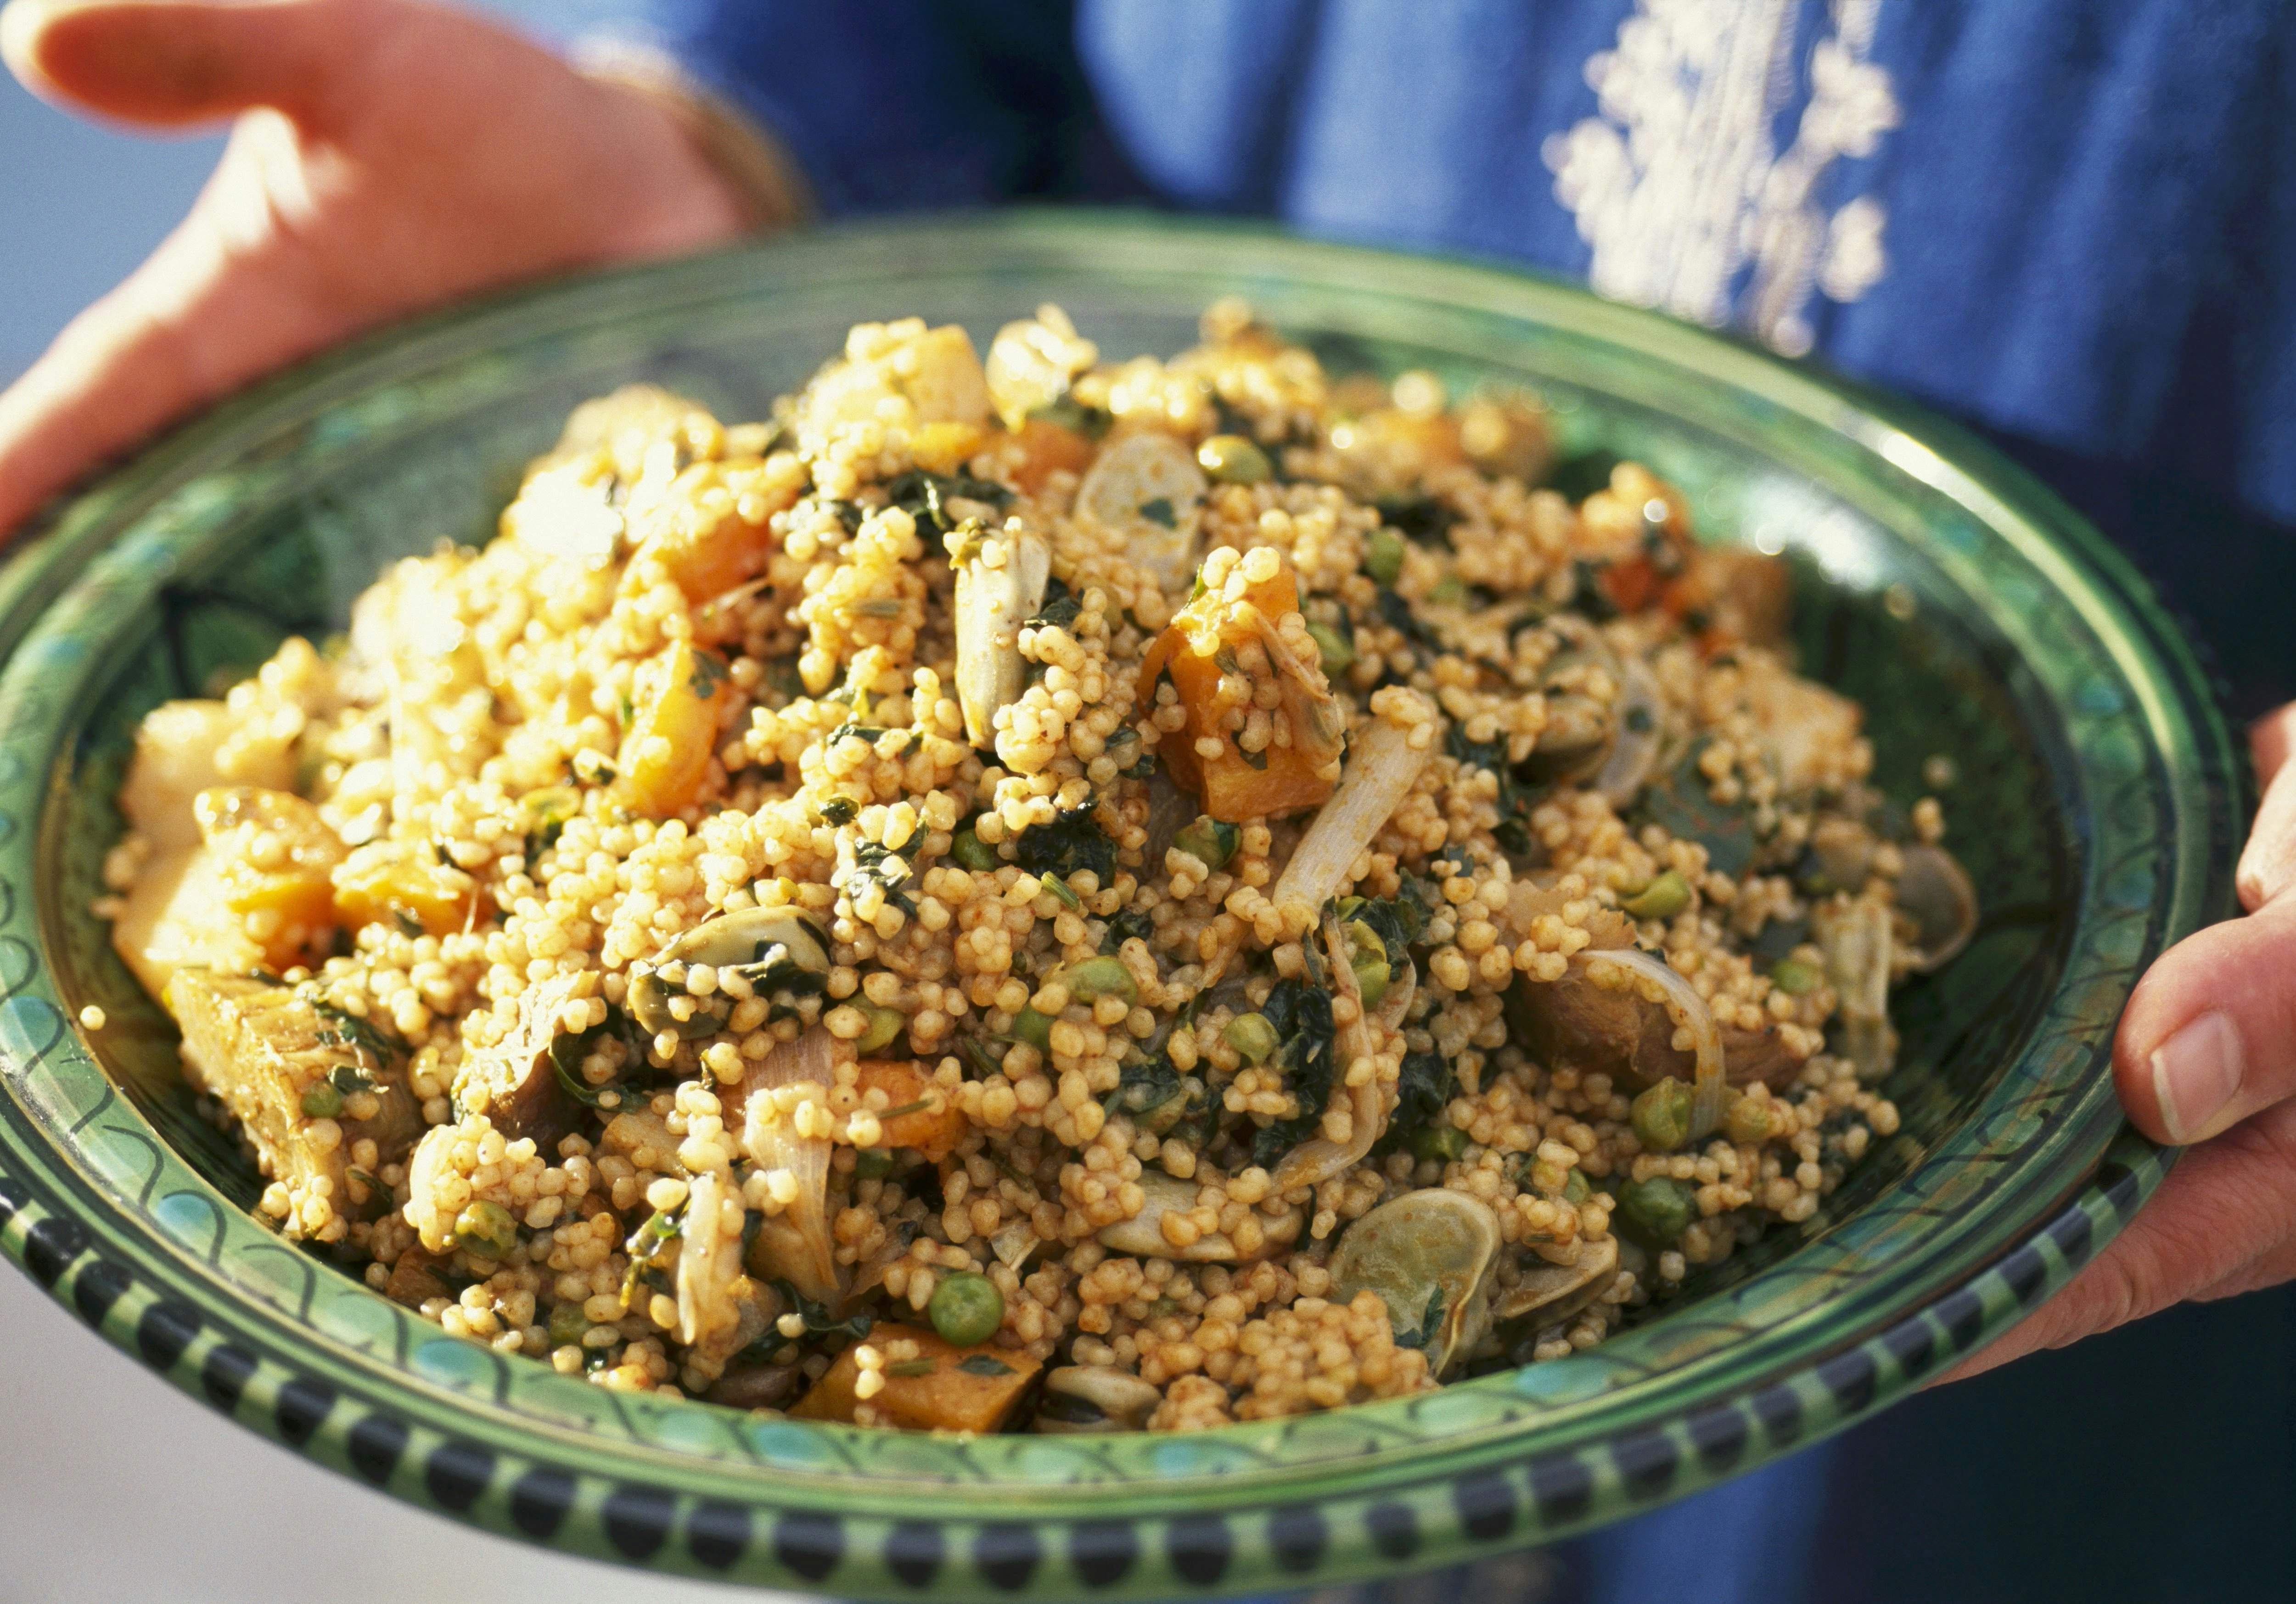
2063, 220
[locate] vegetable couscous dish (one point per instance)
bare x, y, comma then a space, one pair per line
1042, 894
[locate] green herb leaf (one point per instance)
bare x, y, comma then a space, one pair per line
1160, 512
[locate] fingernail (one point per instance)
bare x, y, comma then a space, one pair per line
2196, 1076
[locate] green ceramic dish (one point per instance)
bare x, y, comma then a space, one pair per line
1972, 613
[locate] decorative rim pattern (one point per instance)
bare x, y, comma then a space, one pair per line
98, 1209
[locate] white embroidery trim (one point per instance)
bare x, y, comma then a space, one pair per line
1678, 184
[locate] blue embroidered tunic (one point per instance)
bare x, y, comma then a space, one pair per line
2060, 222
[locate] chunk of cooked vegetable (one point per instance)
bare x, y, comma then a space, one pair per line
1243, 760
1000, 585
275, 857
515, 1083
963, 1390
403, 884
184, 747
262, 1050
1147, 491
673, 732
918, 1112
176, 918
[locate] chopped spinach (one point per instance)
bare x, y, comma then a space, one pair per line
1070, 842
710, 672
817, 1317
1514, 800
1424, 519
1423, 1092
1071, 414
1301, 1014
1160, 512
874, 861
1577, 478
1131, 924
1680, 801
1061, 606
925, 497
981, 1364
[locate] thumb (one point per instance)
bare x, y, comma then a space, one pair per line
165, 63
2209, 1036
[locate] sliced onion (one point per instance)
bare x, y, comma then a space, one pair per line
797, 1242
1319, 1159
1684, 1006
1382, 769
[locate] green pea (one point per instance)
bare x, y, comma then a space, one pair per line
1384, 556
1576, 1188
1372, 976
884, 1025
966, 1309
567, 1324
971, 852
1338, 654
1793, 977
1662, 1207
1252, 1036
1210, 841
1232, 459
1746, 1121
323, 1102
1661, 1115
871, 1164
1035, 1028
1439, 1140
486, 1229
1663, 898
1098, 977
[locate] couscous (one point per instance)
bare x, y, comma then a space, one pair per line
1046, 894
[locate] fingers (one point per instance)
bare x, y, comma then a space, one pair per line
2223, 1222
2209, 1036
164, 64
2267, 865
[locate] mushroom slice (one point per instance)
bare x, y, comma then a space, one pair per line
771, 950
1935, 892
1094, 1398
1143, 1236
1854, 937
1000, 585
1428, 1254
1148, 489
1550, 1293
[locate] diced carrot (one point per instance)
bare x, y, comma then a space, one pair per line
673, 732
395, 881
932, 1130
946, 447
944, 1388
274, 855
714, 536
1230, 787
1049, 447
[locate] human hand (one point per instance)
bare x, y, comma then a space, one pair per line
2206, 1058
389, 155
